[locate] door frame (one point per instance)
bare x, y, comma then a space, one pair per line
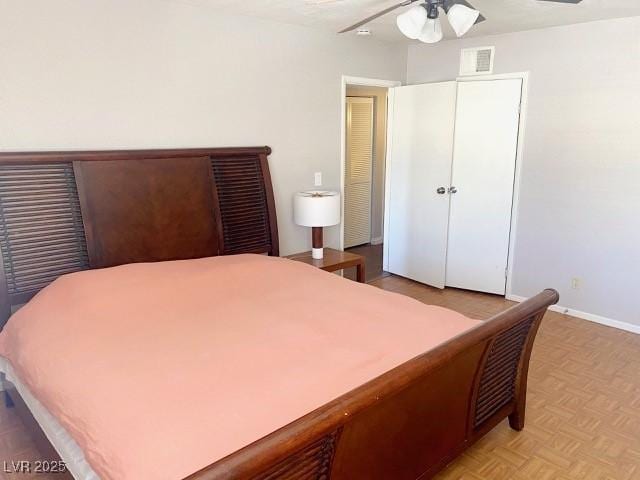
515, 207
364, 82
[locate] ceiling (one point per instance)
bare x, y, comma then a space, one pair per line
502, 15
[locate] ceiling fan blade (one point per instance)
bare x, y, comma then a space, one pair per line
379, 14
449, 3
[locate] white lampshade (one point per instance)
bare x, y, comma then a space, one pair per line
316, 208
462, 18
411, 22
432, 31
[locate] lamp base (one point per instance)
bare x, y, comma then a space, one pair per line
317, 242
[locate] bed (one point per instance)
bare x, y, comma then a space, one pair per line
207, 217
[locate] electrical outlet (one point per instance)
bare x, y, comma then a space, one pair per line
575, 283
317, 179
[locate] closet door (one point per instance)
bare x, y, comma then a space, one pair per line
486, 140
418, 173
358, 172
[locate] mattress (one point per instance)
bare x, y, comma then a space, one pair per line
158, 370
69, 451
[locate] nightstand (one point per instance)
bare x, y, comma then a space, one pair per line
334, 260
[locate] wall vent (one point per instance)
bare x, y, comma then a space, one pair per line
477, 61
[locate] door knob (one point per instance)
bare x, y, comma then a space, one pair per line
453, 190
441, 191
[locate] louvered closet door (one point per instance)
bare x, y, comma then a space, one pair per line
358, 172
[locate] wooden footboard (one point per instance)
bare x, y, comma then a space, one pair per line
412, 421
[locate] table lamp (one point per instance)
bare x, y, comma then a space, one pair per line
317, 209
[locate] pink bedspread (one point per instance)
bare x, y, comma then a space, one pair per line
157, 370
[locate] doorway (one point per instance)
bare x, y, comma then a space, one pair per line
364, 150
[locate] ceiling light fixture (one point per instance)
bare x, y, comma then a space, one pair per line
432, 31
422, 22
462, 18
412, 22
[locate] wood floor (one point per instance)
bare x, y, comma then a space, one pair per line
373, 261
583, 410
583, 403
15, 446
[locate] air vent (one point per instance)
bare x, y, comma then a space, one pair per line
477, 61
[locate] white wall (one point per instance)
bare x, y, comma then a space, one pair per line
580, 192
110, 74
379, 95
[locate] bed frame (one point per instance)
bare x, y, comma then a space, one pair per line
62, 212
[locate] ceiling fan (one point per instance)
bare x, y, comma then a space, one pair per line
422, 22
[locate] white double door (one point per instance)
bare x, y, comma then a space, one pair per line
450, 180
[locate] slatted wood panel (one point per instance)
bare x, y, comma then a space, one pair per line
358, 172
498, 382
41, 229
243, 207
312, 463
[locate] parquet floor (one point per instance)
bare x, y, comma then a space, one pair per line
583, 410
16, 445
583, 402
373, 260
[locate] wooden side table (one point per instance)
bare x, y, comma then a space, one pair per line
334, 260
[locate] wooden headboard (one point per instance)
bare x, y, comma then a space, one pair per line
61, 212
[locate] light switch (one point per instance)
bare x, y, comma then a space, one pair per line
317, 179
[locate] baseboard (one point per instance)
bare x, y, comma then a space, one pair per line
609, 322
377, 241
